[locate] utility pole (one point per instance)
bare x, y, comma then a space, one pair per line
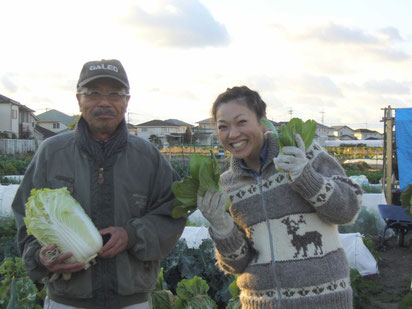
290, 112
323, 116
387, 154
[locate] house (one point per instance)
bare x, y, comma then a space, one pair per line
132, 129
16, 119
324, 133
366, 134
41, 133
55, 121
343, 132
161, 132
206, 132
347, 138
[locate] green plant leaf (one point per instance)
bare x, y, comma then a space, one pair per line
205, 175
308, 132
234, 289
185, 190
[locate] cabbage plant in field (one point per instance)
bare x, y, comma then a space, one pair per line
53, 216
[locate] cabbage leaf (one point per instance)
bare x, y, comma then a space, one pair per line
53, 216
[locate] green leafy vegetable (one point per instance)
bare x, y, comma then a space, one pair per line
234, 302
53, 216
192, 293
204, 175
286, 134
160, 297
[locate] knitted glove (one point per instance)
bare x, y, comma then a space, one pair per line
293, 159
212, 206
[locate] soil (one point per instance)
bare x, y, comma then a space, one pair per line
395, 272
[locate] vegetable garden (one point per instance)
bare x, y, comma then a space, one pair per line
189, 277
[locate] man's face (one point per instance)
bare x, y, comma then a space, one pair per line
103, 113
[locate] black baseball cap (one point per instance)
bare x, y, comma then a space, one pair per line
111, 68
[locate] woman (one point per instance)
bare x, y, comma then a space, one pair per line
281, 235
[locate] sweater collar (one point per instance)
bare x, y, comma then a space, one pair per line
272, 150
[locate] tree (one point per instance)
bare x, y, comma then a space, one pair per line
187, 137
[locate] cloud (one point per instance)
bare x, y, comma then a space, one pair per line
379, 44
179, 23
334, 33
387, 86
8, 84
318, 85
391, 33
390, 54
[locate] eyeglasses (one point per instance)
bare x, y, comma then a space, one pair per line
97, 96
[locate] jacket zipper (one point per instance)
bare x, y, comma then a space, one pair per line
272, 249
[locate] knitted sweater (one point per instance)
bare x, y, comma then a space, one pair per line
285, 245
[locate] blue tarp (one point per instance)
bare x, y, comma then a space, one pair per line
403, 132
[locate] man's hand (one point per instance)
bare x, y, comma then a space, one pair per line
293, 159
212, 206
117, 242
56, 263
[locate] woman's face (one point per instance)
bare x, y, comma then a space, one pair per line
239, 130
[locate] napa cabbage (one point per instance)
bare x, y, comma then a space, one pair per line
53, 216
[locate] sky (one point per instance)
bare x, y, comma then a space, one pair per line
337, 62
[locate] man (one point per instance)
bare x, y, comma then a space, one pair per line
124, 185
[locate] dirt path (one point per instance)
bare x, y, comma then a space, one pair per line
395, 272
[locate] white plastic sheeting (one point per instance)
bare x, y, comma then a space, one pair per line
7, 194
359, 256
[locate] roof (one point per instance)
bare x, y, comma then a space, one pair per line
366, 131
156, 123
131, 126
208, 120
319, 125
341, 127
56, 116
178, 122
46, 133
4, 99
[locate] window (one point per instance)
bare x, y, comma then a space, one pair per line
56, 125
14, 114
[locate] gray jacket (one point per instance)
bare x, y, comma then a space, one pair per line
134, 192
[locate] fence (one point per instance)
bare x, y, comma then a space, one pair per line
18, 146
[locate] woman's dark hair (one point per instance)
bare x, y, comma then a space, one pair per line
242, 93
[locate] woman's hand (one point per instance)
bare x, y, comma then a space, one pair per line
293, 159
213, 208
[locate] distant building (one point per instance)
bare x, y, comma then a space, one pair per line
55, 121
162, 132
206, 131
366, 134
16, 119
343, 132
